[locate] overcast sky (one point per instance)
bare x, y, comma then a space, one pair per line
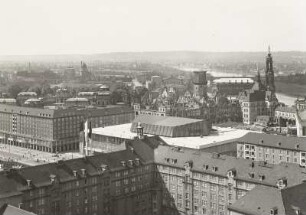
98, 26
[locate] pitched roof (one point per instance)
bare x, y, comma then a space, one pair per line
12, 210
275, 141
286, 109
262, 199
245, 169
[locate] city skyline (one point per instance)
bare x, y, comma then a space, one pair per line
88, 27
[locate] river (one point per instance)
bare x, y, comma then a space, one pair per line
288, 100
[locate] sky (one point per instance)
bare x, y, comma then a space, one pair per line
99, 26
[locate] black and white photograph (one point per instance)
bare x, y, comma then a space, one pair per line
152, 107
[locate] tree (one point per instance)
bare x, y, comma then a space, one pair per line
14, 90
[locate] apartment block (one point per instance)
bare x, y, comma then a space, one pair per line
149, 177
54, 130
272, 149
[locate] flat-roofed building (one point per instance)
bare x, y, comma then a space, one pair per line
272, 148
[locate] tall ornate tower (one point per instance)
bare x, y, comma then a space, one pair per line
269, 72
199, 84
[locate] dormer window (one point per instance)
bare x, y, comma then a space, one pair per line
83, 172
74, 173
123, 163
274, 211
282, 183
231, 173
137, 161
130, 162
252, 175
29, 183
52, 178
205, 167
215, 168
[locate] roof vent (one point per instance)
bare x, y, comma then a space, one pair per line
279, 143
297, 146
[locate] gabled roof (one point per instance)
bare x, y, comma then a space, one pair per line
261, 200
12, 210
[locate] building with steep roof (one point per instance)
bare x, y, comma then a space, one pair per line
12, 210
148, 177
271, 201
231, 86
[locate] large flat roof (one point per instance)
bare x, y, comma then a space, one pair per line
220, 135
165, 120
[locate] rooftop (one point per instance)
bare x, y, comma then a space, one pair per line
286, 109
165, 120
275, 141
262, 199
12, 210
234, 80
216, 137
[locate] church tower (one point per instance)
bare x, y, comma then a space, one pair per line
269, 72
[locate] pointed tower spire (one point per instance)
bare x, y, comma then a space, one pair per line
258, 74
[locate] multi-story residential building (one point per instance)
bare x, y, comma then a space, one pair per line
54, 130
252, 105
285, 116
272, 149
148, 177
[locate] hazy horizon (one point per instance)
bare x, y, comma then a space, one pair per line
57, 27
